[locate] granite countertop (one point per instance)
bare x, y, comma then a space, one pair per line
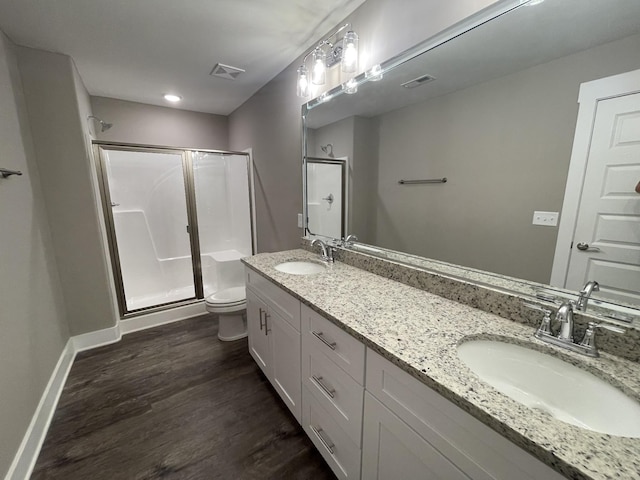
419, 332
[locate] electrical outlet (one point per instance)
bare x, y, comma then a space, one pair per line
548, 219
300, 221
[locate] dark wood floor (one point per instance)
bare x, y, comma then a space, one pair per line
173, 402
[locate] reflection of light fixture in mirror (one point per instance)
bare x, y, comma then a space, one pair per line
303, 81
351, 86
349, 52
374, 73
319, 69
325, 55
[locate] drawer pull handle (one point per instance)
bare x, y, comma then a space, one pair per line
320, 336
329, 391
329, 445
261, 312
266, 327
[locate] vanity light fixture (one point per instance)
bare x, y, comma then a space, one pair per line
374, 74
351, 87
325, 55
171, 97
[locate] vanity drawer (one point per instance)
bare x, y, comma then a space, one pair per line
337, 448
286, 305
339, 394
335, 343
471, 445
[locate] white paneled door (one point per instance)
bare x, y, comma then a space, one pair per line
606, 243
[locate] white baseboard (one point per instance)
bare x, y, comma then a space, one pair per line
156, 319
96, 339
27, 455
25, 459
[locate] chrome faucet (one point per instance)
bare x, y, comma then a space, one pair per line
327, 250
564, 338
348, 241
565, 317
585, 294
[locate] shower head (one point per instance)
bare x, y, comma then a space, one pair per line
104, 126
328, 149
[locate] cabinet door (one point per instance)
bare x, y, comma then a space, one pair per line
258, 338
392, 450
285, 349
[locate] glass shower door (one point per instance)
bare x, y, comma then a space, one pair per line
150, 223
221, 188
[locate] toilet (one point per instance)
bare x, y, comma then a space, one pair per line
229, 300
230, 304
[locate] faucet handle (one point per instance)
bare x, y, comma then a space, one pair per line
589, 339
348, 240
545, 326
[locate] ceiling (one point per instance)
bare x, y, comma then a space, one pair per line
138, 50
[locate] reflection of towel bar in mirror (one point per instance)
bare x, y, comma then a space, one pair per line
4, 173
419, 182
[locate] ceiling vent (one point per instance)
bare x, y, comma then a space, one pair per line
226, 71
418, 81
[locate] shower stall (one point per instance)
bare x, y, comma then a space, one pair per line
178, 221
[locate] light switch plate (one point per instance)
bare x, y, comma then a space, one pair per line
549, 219
299, 220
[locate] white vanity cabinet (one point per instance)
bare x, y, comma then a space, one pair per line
367, 417
273, 324
411, 431
332, 392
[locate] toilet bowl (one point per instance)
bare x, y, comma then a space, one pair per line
230, 305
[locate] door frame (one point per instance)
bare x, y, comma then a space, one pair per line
342, 162
192, 220
591, 93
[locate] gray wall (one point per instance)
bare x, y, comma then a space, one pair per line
57, 105
32, 310
505, 147
152, 125
269, 122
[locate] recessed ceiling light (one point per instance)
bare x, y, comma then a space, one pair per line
170, 97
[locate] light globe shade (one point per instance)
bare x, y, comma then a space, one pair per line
319, 69
349, 62
303, 81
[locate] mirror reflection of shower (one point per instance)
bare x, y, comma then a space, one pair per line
326, 190
104, 126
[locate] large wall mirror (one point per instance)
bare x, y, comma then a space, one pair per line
493, 111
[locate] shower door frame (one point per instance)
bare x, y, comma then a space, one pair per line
192, 217
342, 162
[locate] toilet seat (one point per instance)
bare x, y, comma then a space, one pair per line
227, 300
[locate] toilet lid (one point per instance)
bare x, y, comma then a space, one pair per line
228, 296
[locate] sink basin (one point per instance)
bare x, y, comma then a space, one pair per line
301, 267
548, 384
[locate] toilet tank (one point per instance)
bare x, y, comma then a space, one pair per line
228, 268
